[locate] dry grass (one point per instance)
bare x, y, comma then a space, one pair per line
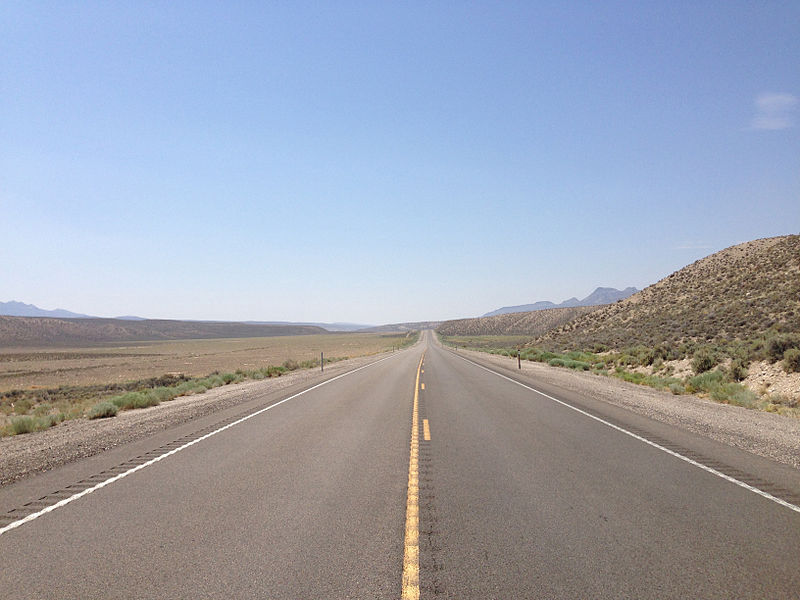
27, 368
40, 387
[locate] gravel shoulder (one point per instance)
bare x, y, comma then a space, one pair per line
765, 434
23, 455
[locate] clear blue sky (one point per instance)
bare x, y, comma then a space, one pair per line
382, 162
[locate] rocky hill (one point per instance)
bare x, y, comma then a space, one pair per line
36, 331
737, 294
401, 327
533, 323
601, 295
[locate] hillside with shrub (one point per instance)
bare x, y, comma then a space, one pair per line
726, 327
43, 331
743, 293
533, 323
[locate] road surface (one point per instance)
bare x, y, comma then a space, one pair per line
501, 491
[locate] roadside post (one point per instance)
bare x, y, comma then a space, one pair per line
519, 359
322, 361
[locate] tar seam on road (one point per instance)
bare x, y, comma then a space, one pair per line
410, 582
160, 457
695, 463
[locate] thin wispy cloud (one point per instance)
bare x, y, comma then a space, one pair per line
774, 111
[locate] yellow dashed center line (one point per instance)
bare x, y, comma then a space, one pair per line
423, 385
411, 551
426, 430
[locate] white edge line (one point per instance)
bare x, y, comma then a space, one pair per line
152, 461
733, 480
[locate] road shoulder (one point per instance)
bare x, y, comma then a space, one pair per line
28, 454
764, 434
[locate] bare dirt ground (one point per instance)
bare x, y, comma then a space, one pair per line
22, 455
27, 368
765, 434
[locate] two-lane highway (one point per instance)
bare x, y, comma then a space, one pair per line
529, 498
305, 500
506, 493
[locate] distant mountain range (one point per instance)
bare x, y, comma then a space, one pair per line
601, 295
402, 327
745, 292
532, 323
47, 331
20, 309
327, 326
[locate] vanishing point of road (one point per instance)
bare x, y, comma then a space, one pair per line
425, 474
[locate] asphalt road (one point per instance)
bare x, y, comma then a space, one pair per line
516, 495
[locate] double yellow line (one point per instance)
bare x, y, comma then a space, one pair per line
411, 552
